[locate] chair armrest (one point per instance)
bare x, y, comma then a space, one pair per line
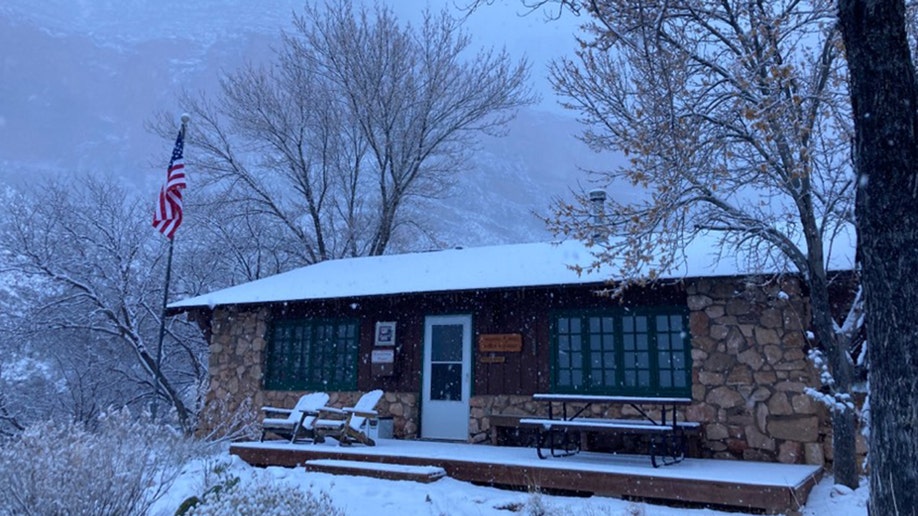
361, 413
330, 410
278, 410
307, 413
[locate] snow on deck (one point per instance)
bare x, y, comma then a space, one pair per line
737, 472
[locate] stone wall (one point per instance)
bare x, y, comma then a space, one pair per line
483, 407
236, 376
750, 370
236, 346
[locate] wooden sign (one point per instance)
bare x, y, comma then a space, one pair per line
492, 360
500, 342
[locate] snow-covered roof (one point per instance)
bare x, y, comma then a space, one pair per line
478, 268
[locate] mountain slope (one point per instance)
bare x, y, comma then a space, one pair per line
79, 80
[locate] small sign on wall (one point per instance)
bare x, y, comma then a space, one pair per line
382, 356
500, 342
382, 362
385, 333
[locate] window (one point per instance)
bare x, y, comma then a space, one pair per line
635, 352
312, 354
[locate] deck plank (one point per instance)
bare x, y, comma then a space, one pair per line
694, 481
425, 474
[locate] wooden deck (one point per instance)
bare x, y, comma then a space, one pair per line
773, 488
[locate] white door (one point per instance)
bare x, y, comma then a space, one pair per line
446, 377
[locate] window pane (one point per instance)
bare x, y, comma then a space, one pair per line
662, 323
609, 360
577, 378
595, 324
595, 342
642, 360
663, 341
446, 382
675, 323
665, 379
564, 377
664, 360
642, 342
628, 342
609, 380
679, 361
607, 325
446, 343
608, 343
678, 342
564, 360
640, 323
644, 378
564, 325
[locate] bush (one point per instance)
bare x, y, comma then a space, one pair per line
121, 467
261, 496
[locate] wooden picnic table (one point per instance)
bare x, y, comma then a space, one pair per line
658, 420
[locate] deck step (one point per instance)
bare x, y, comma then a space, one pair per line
424, 474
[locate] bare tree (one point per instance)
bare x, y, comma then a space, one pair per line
884, 95
734, 118
94, 266
357, 116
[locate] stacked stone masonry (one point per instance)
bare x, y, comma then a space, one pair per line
750, 369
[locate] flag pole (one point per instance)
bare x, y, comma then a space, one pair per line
157, 372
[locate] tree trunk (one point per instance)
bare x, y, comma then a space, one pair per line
844, 421
884, 101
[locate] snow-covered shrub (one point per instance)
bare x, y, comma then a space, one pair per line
217, 477
219, 421
120, 467
263, 496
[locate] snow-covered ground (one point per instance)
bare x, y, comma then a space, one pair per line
447, 496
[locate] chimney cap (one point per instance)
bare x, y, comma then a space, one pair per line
598, 194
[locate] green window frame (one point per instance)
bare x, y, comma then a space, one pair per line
312, 354
638, 352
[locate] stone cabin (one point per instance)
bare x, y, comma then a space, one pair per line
460, 339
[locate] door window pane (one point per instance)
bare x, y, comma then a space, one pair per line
446, 343
446, 382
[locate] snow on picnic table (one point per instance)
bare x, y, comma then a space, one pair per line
364, 496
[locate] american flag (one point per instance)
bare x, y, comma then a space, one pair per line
168, 214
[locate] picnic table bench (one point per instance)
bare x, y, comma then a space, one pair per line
667, 433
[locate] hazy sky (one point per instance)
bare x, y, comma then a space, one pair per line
125, 22
80, 79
